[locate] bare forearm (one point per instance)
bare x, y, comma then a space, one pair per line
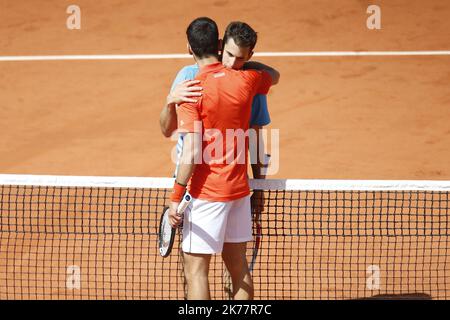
261, 66
257, 168
191, 149
257, 171
257, 164
185, 172
168, 120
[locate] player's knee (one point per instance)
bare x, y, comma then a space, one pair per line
234, 256
195, 275
196, 268
237, 265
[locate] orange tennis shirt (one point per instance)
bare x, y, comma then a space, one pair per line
222, 114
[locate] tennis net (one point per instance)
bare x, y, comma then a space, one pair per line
67, 237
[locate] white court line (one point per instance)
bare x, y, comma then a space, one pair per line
265, 184
257, 54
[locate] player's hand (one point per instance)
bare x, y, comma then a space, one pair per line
185, 91
174, 218
257, 203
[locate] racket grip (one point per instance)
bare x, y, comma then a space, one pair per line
184, 203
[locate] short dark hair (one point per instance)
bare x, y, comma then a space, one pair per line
203, 37
242, 34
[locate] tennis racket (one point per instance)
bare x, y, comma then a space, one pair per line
166, 232
256, 245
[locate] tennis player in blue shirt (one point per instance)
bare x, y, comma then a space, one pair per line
235, 54
239, 41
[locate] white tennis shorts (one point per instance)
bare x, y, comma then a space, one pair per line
207, 225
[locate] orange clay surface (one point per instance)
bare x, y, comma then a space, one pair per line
338, 117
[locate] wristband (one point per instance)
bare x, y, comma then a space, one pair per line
178, 192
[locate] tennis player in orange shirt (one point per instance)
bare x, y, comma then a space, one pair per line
214, 162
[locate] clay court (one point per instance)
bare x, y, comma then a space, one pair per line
339, 117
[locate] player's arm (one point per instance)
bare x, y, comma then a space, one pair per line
191, 151
260, 66
259, 118
257, 164
168, 120
257, 199
189, 118
185, 91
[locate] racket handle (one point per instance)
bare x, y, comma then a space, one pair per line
184, 203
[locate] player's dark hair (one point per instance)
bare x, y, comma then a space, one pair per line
242, 34
203, 37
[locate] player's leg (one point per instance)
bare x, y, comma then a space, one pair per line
233, 255
196, 269
238, 232
203, 235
